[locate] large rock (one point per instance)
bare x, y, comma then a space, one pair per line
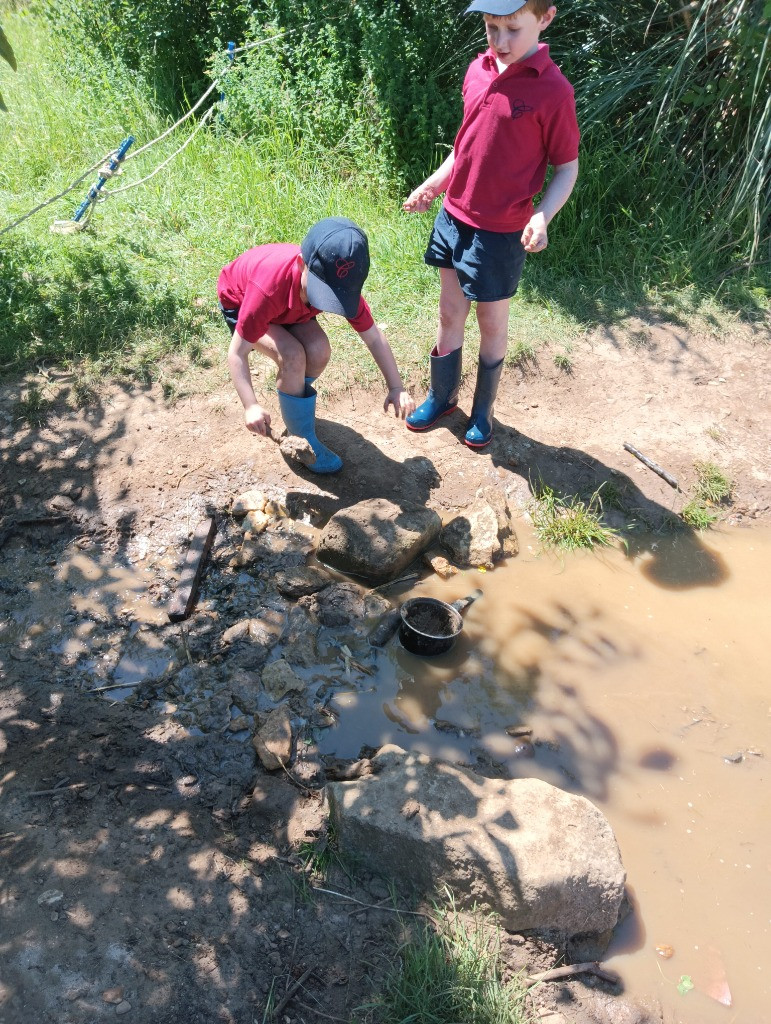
540, 858
483, 534
376, 538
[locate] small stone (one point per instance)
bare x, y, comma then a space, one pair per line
440, 565
113, 995
279, 678
249, 501
255, 522
122, 1008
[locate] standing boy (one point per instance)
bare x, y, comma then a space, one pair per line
518, 117
270, 297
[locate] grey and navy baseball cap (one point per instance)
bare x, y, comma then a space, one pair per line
336, 253
498, 8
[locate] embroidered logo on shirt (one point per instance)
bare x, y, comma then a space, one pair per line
518, 109
343, 266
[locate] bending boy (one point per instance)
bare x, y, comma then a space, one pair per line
270, 297
518, 117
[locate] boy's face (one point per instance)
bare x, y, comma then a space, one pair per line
515, 37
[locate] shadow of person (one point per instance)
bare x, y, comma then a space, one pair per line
367, 473
675, 558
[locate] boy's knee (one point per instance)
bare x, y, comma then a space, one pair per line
292, 359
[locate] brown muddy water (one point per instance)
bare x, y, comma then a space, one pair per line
644, 678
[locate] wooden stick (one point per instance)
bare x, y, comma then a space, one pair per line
187, 588
291, 991
653, 466
592, 967
58, 789
115, 686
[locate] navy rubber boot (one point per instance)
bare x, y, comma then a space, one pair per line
299, 415
442, 397
480, 425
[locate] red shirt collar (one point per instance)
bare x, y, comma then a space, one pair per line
538, 61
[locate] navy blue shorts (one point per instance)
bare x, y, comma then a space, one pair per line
488, 263
231, 316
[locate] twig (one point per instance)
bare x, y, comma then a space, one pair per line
298, 984
59, 788
115, 686
393, 583
592, 967
653, 466
374, 906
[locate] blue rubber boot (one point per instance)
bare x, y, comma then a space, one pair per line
480, 425
442, 397
299, 415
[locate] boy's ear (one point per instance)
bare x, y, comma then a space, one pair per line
548, 18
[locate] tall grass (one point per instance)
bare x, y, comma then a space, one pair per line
138, 287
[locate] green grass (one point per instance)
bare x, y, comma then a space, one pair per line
567, 521
712, 484
452, 974
32, 408
711, 491
698, 515
133, 296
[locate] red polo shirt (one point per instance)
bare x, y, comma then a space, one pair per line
263, 284
515, 123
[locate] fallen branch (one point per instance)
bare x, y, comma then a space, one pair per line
115, 686
653, 466
567, 971
291, 991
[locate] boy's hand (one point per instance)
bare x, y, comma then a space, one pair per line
420, 200
535, 237
402, 402
257, 419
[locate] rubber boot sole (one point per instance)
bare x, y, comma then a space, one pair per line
476, 447
419, 430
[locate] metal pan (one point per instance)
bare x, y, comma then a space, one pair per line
430, 627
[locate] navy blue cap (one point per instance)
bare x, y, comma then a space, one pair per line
498, 8
336, 253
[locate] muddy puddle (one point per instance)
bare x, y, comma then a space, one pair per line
644, 682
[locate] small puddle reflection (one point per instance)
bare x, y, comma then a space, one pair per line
643, 677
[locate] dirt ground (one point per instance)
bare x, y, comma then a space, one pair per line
149, 867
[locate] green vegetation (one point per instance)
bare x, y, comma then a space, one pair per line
33, 407
336, 113
567, 521
712, 484
450, 974
711, 491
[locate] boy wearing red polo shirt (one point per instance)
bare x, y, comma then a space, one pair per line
270, 297
518, 117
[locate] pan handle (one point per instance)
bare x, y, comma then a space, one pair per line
464, 602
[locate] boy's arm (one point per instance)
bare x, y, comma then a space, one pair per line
397, 396
535, 237
256, 418
420, 200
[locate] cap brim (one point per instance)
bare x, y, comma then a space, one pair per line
498, 8
322, 297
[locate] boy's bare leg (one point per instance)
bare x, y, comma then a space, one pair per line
493, 320
453, 312
314, 340
299, 351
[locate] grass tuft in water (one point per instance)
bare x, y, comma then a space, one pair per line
698, 515
451, 973
568, 522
